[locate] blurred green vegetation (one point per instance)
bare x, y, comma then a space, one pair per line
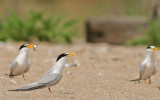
75, 9
78, 9
149, 37
37, 26
133, 8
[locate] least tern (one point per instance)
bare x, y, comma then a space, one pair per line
148, 66
52, 77
21, 63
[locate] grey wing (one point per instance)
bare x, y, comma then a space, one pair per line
29, 87
155, 70
13, 65
46, 80
28, 66
50, 78
142, 69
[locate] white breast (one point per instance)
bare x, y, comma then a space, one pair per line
149, 70
22, 65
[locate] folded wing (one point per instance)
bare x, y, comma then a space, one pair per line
46, 80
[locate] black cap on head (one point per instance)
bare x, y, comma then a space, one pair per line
149, 47
22, 46
61, 55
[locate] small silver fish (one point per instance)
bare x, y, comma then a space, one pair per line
34, 47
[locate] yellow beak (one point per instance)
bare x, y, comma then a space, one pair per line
155, 48
30, 45
71, 54
75, 53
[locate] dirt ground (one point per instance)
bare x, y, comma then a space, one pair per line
103, 72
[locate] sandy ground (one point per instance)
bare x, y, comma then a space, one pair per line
103, 73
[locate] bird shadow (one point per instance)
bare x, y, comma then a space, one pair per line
6, 75
65, 92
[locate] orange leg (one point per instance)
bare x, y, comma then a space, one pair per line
158, 87
145, 81
50, 90
24, 77
149, 80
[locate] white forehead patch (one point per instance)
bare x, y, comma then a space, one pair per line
152, 47
26, 45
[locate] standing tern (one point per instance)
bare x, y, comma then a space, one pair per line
148, 66
21, 63
52, 77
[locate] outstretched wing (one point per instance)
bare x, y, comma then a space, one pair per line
13, 65
46, 80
